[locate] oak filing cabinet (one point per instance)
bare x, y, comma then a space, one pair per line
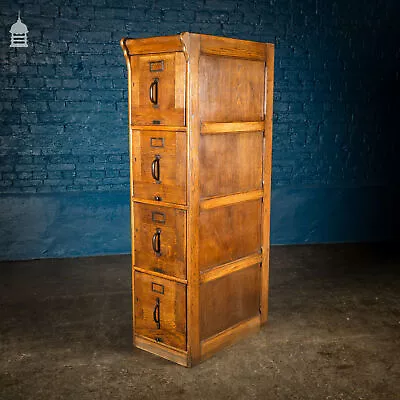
200, 132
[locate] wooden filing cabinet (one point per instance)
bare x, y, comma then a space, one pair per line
200, 136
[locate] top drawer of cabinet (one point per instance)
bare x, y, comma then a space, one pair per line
158, 89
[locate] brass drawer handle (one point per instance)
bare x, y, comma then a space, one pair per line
156, 313
155, 168
153, 91
156, 242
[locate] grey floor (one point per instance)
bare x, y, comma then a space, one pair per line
333, 332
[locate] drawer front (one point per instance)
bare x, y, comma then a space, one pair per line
158, 89
160, 239
159, 166
160, 310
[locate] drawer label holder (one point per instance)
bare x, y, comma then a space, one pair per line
158, 217
157, 142
156, 66
157, 288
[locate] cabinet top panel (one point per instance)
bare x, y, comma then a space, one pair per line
212, 45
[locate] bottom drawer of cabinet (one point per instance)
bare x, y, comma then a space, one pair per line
160, 310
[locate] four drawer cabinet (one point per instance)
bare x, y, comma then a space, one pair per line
200, 138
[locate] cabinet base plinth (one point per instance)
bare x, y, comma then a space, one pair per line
162, 350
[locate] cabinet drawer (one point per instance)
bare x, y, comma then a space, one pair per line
160, 239
160, 310
158, 89
159, 165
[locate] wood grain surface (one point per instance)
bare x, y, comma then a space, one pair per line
230, 89
229, 233
240, 300
224, 163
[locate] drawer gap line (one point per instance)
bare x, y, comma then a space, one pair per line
168, 277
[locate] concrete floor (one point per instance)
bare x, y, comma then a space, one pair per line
333, 332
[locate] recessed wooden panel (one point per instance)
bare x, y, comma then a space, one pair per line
159, 154
229, 233
240, 300
164, 227
160, 316
230, 163
158, 89
231, 89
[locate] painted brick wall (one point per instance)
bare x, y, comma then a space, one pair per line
63, 105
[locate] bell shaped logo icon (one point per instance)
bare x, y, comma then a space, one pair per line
19, 34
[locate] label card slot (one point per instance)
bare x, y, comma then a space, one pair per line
155, 287
156, 66
157, 142
158, 217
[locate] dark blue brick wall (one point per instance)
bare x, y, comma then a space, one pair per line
63, 102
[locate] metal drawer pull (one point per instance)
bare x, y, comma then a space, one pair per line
155, 167
156, 313
153, 92
156, 242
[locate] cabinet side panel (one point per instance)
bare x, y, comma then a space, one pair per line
130, 139
180, 81
231, 89
269, 88
229, 300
